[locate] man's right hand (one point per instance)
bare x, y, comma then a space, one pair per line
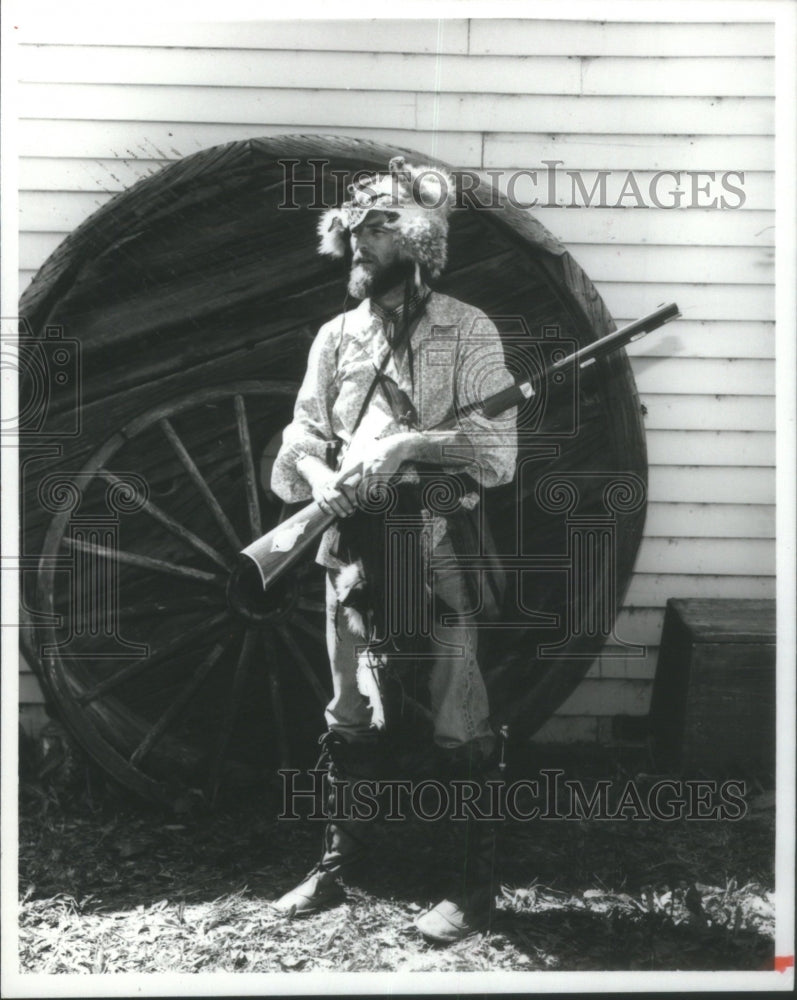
339, 498
335, 493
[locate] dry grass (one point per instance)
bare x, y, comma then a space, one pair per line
110, 886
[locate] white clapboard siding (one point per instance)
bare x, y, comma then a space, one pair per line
59, 211
653, 589
638, 667
689, 376
594, 38
712, 447
681, 556
431, 35
368, 71
599, 151
659, 227
706, 555
107, 103
705, 520
38, 173
705, 338
34, 248
400, 71
677, 76
710, 484
172, 140
290, 107
669, 411
477, 36
500, 150
711, 300
570, 185
399, 109
637, 626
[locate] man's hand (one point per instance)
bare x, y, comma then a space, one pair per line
382, 457
334, 492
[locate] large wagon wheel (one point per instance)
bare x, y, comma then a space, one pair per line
164, 658
200, 277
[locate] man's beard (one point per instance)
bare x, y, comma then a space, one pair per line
372, 280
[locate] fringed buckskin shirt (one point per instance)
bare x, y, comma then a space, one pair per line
455, 355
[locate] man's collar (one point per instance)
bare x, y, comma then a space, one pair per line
417, 301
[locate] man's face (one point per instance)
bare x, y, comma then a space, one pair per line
377, 261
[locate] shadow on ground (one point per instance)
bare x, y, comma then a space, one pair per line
109, 884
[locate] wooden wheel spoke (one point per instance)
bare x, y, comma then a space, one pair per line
308, 605
199, 482
247, 459
196, 604
309, 629
157, 731
145, 562
199, 603
303, 664
231, 710
180, 641
173, 526
277, 711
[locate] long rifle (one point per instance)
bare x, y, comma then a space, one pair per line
274, 553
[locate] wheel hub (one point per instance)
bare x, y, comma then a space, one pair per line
248, 601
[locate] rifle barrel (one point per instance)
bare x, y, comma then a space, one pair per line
613, 341
515, 394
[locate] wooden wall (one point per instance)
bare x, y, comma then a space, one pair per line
102, 106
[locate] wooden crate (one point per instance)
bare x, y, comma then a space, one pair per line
713, 704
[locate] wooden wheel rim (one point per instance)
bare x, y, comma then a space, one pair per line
72, 687
501, 260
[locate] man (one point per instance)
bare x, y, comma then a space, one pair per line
379, 379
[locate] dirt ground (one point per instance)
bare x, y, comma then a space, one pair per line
108, 884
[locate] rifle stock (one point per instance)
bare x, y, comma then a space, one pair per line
275, 552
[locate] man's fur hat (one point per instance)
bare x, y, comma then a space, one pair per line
417, 201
